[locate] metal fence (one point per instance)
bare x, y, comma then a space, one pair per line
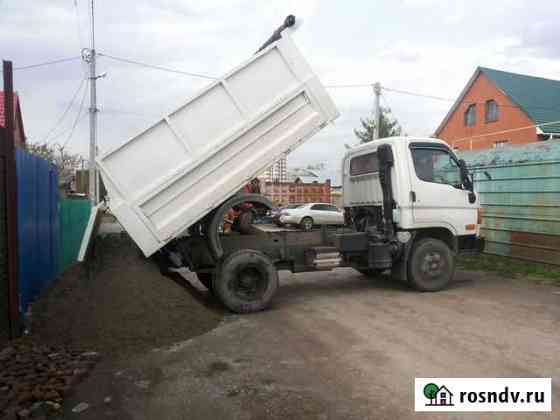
519, 188
38, 225
74, 216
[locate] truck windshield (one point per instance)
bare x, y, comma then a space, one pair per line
436, 165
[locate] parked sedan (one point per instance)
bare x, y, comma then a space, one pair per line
308, 215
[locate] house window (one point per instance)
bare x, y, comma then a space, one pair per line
500, 143
492, 111
470, 116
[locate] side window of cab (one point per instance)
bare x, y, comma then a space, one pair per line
436, 165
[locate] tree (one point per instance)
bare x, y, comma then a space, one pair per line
67, 163
389, 127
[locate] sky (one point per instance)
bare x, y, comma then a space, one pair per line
430, 47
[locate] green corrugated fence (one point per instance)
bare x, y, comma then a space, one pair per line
521, 200
74, 216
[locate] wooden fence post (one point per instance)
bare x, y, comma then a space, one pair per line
8, 146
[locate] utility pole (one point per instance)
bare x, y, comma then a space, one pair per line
88, 56
8, 199
92, 126
377, 110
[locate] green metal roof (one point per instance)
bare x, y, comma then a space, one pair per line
538, 97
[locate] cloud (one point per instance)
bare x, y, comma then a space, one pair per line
426, 46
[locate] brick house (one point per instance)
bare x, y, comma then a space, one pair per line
497, 108
298, 192
18, 120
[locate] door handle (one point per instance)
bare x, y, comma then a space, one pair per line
412, 196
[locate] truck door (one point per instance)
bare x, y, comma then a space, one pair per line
437, 193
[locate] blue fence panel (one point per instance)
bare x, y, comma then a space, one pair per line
38, 225
519, 188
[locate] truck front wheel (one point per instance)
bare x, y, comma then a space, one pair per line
246, 281
431, 265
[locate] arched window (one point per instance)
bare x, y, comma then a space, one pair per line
492, 111
470, 116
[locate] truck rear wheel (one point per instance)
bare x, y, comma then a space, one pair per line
431, 265
246, 281
244, 222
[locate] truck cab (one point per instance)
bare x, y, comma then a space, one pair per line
416, 194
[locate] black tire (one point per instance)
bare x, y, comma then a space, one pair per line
431, 265
206, 280
306, 223
246, 281
244, 222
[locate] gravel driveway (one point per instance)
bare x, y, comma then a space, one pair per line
338, 345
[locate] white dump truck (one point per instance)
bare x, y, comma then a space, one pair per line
409, 203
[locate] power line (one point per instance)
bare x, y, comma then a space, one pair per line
63, 115
420, 95
157, 67
67, 129
47, 63
464, 102
434, 97
78, 115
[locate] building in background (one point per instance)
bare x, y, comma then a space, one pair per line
298, 192
277, 172
497, 108
336, 196
19, 132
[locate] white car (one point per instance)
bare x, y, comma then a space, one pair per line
310, 214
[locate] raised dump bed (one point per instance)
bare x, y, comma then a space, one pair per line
174, 173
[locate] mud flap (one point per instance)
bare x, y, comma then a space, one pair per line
399, 270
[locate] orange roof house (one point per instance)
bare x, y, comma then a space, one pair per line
497, 108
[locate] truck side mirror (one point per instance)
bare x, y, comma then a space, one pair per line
465, 178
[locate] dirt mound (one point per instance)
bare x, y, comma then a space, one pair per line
119, 304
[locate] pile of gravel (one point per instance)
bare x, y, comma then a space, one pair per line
119, 305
